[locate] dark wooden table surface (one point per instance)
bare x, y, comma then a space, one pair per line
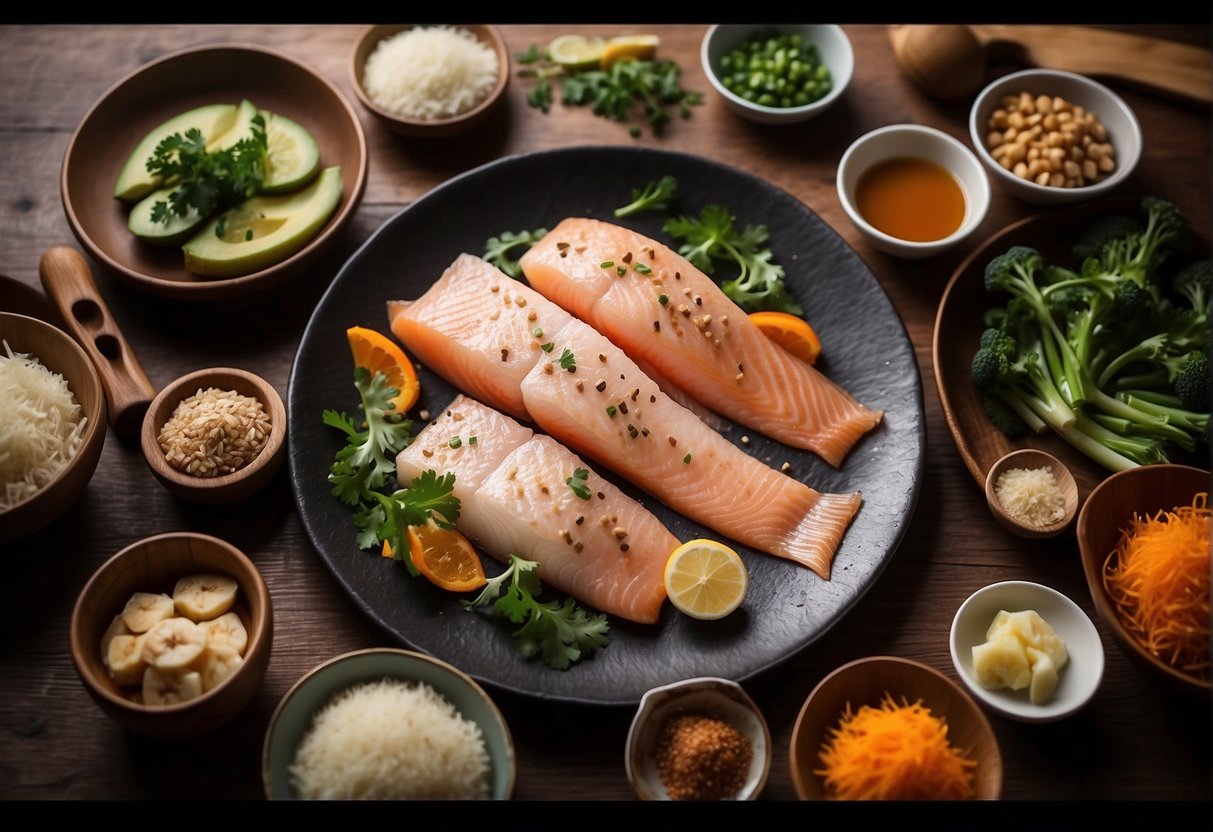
1134, 742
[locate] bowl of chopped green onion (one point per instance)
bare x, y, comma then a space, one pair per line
781, 74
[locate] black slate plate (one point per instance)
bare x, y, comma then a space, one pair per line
865, 348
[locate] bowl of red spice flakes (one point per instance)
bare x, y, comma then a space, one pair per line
698, 739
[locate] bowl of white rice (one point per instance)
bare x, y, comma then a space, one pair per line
387, 724
430, 80
52, 424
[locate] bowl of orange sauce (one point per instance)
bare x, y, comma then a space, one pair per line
912, 191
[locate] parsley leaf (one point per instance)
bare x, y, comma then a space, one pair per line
713, 236
368, 460
207, 182
531, 55
568, 361
655, 196
559, 633
429, 497
497, 249
577, 482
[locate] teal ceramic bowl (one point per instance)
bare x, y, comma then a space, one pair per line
293, 716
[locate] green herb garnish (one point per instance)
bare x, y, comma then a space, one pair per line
368, 460
429, 497
207, 182
577, 483
654, 196
548, 347
455, 442
498, 249
568, 361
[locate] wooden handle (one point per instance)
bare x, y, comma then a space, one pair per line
1175, 68
68, 281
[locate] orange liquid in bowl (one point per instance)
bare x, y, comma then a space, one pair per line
911, 199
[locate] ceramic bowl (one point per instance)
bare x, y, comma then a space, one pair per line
293, 717
1110, 508
226, 488
166, 87
1123, 131
719, 698
865, 682
833, 49
1031, 458
1078, 680
154, 564
436, 128
59, 353
928, 144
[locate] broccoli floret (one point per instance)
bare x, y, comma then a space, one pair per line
1192, 282
1192, 382
1096, 236
1003, 417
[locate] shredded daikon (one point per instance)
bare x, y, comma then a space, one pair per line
41, 426
894, 752
1158, 578
430, 72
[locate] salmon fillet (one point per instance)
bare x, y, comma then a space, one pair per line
698, 339
587, 393
514, 499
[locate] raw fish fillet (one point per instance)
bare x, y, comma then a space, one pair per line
601, 405
608, 551
700, 340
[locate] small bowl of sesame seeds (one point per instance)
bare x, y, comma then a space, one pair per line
698, 739
215, 435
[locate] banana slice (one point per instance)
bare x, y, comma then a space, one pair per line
1044, 676
145, 610
202, 597
226, 631
173, 644
218, 663
124, 657
169, 688
117, 627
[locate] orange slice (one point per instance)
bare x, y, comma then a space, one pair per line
790, 332
446, 558
381, 354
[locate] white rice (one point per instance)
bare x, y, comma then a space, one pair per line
428, 73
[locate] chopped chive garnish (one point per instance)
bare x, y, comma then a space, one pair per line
471, 440
547, 347
537, 332
642, 268
663, 299
621, 270
455, 442
687, 459
610, 409
606, 264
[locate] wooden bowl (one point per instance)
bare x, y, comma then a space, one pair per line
59, 353
154, 564
1031, 459
437, 128
721, 698
227, 488
1110, 507
170, 85
865, 682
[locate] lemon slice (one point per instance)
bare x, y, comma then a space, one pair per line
576, 52
624, 47
705, 579
292, 156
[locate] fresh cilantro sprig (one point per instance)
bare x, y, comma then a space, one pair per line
654, 196
713, 237
559, 633
207, 182
568, 361
497, 249
388, 518
577, 483
368, 460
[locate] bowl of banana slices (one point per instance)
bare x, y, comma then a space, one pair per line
172, 635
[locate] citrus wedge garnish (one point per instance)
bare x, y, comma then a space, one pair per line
628, 47
706, 579
791, 332
380, 354
576, 52
292, 157
446, 558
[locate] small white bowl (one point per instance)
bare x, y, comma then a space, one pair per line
1078, 680
1124, 131
929, 144
833, 48
721, 698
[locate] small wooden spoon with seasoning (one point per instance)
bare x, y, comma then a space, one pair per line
1032, 459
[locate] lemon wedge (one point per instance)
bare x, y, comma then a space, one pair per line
576, 52
706, 579
624, 47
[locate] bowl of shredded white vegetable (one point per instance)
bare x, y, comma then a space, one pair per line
52, 424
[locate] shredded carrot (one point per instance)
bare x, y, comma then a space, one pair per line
1158, 577
894, 752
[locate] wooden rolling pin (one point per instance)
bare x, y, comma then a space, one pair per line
69, 282
948, 60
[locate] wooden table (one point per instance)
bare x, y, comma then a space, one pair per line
1134, 742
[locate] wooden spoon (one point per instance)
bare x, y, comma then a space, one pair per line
68, 281
948, 61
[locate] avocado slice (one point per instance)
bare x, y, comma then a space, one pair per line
134, 182
263, 230
173, 233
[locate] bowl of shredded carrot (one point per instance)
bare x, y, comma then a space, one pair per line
890, 728
1144, 539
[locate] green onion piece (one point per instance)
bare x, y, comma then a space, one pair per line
687, 459
455, 442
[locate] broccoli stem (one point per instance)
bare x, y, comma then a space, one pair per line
1179, 417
